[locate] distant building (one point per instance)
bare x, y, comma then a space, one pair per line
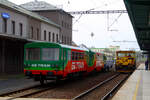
114, 48
109, 51
55, 14
100, 50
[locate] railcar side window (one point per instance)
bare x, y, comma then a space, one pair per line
77, 56
50, 54
82, 56
73, 56
33, 54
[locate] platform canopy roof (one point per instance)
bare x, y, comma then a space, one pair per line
139, 13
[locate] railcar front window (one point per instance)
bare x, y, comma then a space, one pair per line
33, 54
50, 54
126, 55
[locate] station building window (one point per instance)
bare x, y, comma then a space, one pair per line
68, 40
50, 36
31, 32
13, 27
62, 23
57, 38
65, 39
62, 39
21, 29
38, 35
4, 25
53, 37
44, 34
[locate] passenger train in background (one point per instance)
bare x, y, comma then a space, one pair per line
47, 61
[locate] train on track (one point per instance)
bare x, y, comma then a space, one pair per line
47, 61
125, 61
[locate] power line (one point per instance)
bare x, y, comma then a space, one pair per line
98, 12
124, 41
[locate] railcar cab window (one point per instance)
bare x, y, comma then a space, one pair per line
50, 54
33, 54
126, 55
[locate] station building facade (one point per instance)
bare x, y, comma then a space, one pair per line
17, 27
55, 14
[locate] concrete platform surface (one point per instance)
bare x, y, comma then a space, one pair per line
12, 83
137, 87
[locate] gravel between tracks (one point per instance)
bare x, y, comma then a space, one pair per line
104, 89
70, 89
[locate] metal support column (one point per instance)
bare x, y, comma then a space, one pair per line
148, 55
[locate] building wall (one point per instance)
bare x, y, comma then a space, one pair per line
11, 55
62, 19
34, 33
66, 27
50, 15
17, 18
49, 30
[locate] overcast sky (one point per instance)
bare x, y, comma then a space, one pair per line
97, 23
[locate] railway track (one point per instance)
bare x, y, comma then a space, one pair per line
39, 91
29, 91
92, 93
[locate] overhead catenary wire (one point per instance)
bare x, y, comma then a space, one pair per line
115, 20
88, 10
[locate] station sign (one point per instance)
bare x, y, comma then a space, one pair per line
5, 15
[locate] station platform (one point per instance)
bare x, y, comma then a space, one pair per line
137, 87
9, 84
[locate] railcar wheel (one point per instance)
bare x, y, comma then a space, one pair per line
41, 80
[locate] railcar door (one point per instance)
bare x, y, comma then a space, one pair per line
64, 60
91, 59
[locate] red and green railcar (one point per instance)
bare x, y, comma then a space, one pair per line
44, 61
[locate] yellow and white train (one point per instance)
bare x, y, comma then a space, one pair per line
125, 61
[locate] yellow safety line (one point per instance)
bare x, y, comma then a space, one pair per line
136, 90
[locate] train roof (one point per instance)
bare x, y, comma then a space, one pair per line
73, 47
41, 43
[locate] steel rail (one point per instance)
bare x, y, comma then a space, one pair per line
27, 91
18, 90
30, 93
105, 97
93, 88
